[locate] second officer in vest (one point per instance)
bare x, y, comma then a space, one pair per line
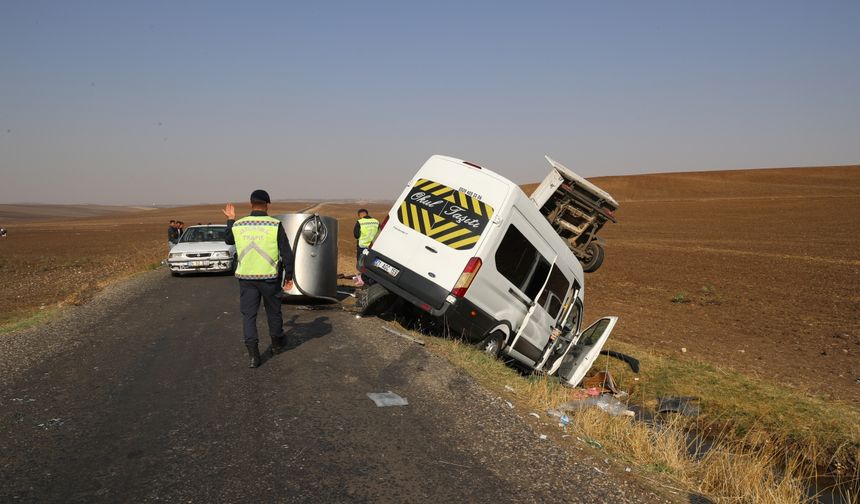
365, 230
263, 252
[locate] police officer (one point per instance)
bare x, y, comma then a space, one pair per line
365, 230
262, 248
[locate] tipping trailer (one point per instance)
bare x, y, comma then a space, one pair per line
577, 210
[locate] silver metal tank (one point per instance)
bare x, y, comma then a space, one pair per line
313, 238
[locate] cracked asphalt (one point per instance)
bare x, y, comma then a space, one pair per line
143, 395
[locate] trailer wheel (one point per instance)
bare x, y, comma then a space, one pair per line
373, 300
492, 344
594, 255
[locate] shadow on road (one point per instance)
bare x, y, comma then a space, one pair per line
300, 332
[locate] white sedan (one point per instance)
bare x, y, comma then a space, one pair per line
201, 249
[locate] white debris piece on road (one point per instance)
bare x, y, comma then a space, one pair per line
389, 398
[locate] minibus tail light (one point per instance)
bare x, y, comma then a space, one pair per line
466, 278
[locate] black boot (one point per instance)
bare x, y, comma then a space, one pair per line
253, 354
279, 344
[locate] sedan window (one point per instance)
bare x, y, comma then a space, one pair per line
204, 234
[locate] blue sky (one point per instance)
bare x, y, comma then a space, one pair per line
185, 102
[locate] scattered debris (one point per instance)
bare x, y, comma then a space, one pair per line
683, 350
406, 336
534, 414
598, 470
53, 422
678, 405
389, 398
509, 388
510, 404
602, 381
543, 437
605, 402
631, 361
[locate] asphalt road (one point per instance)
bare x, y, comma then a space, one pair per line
144, 396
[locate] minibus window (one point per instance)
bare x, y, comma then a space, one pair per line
538, 278
557, 285
572, 322
554, 306
449, 216
515, 257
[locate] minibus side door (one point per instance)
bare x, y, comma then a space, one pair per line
524, 260
580, 356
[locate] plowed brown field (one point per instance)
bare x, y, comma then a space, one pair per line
66, 260
766, 262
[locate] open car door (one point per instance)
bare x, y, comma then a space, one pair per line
581, 355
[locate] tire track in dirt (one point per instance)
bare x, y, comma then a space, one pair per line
312, 208
741, 198
771, 255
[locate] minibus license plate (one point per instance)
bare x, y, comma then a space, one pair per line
391, 270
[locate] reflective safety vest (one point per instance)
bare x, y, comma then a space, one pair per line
369, 228
257, 247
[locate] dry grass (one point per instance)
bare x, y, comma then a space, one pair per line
758, 463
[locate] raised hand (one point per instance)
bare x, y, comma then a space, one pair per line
229, 211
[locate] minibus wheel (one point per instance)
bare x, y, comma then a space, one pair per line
492, 344
372, 300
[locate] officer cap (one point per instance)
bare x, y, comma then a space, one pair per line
260, 196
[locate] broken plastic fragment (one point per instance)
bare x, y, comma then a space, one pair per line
389, 398
605, 402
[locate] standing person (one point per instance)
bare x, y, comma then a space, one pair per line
172, 234
263, 249
180, 226
365, 230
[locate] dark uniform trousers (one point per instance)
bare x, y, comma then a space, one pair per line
250, 293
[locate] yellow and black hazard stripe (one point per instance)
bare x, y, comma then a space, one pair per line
438, 227
456, 197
